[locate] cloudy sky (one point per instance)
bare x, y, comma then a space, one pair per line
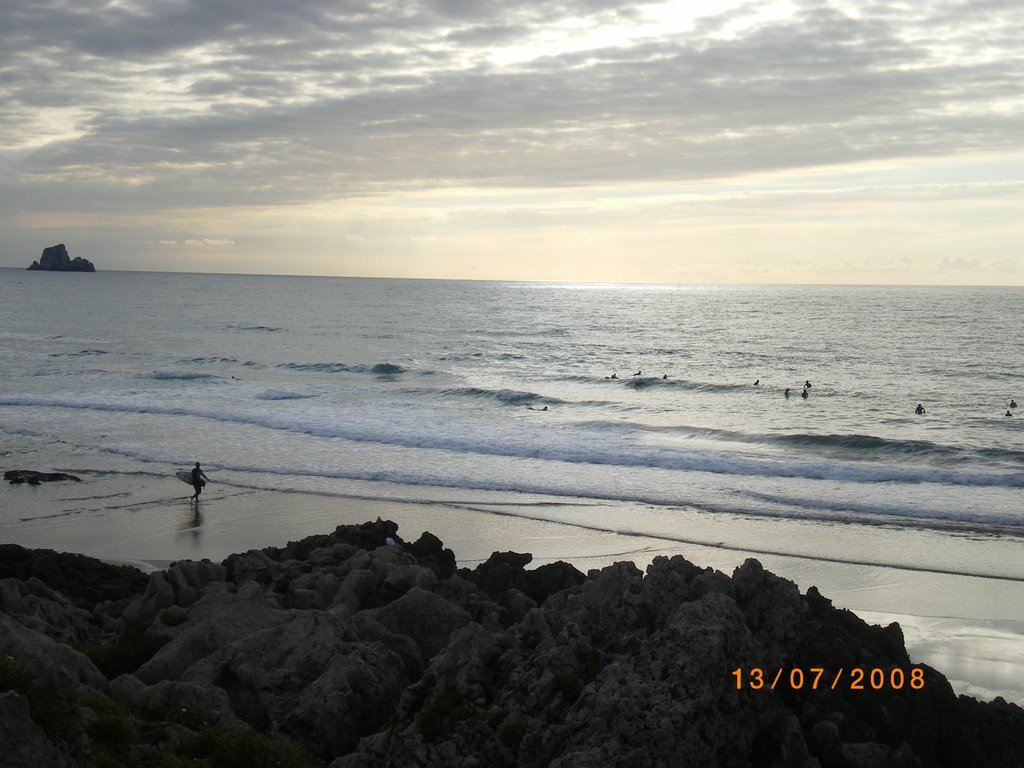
683, 141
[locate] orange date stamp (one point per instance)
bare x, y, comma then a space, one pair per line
815, 678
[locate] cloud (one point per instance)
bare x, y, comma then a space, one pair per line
959, 263
209, 241
133, 107
222, 94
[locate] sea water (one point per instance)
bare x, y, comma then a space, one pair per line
653, 402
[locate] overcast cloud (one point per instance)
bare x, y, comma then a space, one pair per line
138, 108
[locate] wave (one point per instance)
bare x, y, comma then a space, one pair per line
258, 328
645, 382
273, 394
83, 353
317, 367
641, 382
504, 395
209, 361
378, 369
476, 356
173, 375
70, 374
571, 447
858, 443
881, 446
386, 369
855, 446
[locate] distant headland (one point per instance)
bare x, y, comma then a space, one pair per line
56, 259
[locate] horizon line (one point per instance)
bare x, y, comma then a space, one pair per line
607, 283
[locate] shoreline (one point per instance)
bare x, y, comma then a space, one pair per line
965, 625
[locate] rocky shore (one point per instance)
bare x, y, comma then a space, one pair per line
359, 649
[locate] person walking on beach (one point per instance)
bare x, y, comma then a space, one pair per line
198, 481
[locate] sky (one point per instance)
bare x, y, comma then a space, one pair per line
877, 142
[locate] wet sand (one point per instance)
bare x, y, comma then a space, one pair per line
959, 598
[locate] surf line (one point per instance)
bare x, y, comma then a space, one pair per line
247, 489
751, 550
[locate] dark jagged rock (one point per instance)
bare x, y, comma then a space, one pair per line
542, 582
501, 571
56, 259
23, 743
430, 551
85, 581
358, 649
18, 476
505, 571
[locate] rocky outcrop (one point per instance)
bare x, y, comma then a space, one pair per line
360, 649
56, 259
18, 476
83, 581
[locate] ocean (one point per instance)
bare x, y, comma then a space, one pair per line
590, 423
651, 403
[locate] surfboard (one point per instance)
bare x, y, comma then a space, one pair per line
185, 475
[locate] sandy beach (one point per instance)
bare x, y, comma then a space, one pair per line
968, 626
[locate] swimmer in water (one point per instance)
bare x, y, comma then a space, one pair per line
919, 410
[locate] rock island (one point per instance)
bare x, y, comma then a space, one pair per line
56, 259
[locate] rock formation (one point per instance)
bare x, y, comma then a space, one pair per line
30, 476
56, 259
359, 649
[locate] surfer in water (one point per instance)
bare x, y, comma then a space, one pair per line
919, 410
198, 481
786, 393
1013, 403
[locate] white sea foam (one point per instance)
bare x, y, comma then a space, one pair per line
417, 428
